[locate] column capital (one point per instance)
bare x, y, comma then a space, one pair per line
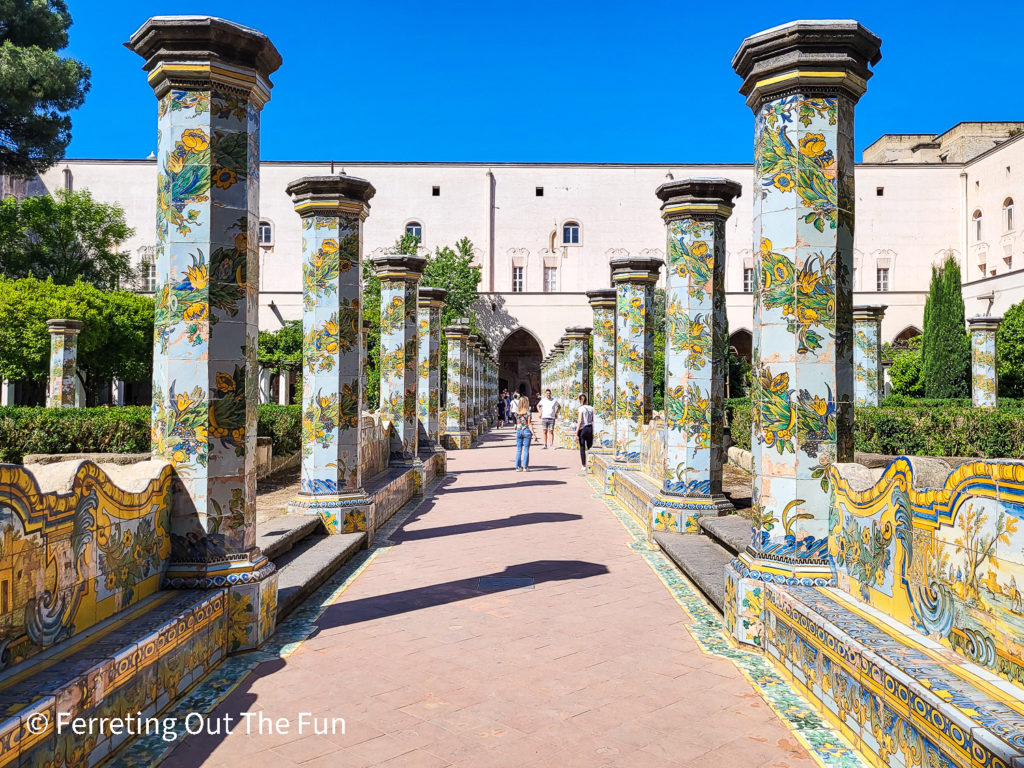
974, 323
576, 333
399, 266
197, 52
431, 297
64, 327
700, 197
602, 298
331, 196
456, 331
635, 269
827, 55
867, 314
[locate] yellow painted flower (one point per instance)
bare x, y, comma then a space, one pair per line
225, 178
806, 315
780, 383
196, 312
635, 301
819, 405
783, 182
241, 242
195, 139
865, 537
766, 245
225, 383
197, 276
699, 249
175, 162
178, 456
329, 246
182, 402
201, 434
806, 281
111, 581
813, 145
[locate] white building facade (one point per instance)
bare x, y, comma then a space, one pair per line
543, 233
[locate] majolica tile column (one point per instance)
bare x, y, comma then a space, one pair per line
695, 212
456, 432
332, 209
211, 78
602, 301
634, 278
364, 357
470, 384
63, 362
431, 302
399, 280
578, 369
984, 379
868, 385
802, 80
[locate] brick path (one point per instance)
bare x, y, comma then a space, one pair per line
592, 667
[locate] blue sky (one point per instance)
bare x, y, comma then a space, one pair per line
557, 81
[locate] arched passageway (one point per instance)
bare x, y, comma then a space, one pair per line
519, 364
904, 336
742, 343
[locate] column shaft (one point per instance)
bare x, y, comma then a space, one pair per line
431, 302
868, 383
602, 301
63, 363
984, 376
456, 434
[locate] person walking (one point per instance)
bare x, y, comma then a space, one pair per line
585, 429
524, 434
508, 408
502, 405
548, 410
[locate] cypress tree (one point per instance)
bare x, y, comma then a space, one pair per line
946, 348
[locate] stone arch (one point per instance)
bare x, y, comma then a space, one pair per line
903, 337
519, 357
742, 341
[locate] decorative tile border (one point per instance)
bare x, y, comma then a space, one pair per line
825, 745
148, 751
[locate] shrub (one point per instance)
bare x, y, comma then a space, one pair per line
945, 349
1010, 355
739, 413
116, 430
905, 371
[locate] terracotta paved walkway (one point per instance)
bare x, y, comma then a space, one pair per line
592, 667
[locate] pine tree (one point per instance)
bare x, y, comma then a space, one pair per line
946, 349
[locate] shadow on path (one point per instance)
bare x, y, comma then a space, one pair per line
532, 518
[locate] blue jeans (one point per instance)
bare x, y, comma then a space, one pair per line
523, 438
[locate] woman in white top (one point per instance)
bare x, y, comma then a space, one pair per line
585, 429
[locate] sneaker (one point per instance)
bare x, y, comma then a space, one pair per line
526, 469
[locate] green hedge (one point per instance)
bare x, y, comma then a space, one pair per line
922, 430
116, 430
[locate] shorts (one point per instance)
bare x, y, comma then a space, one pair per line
548, 424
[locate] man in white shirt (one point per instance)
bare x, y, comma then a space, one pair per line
548, 409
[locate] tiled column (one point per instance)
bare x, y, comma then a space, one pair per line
984, 380
868, 384
695, 212
602, 301
364, 357
63, 362
470, 385
332, 209
634, 278
802, 80
211, 78
431, 302
456, 433
399, 280
578, 370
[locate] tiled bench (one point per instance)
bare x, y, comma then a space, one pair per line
903, 699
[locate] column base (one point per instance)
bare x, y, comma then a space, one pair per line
252, 613
681, 514
340, 513
226, 571
455, 441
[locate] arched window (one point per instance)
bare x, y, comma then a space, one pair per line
69, 180
571, 233
266, 233
977, 226
415, 229
1008, 214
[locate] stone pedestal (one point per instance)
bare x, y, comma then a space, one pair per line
456, 433
63, 363
332, 209
868, 381
399, 280
984, 378
211, 78
802, 80
696, 344
602, 301
431, 302
634, 278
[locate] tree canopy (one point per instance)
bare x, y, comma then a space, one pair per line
68, 237
945, 348
1010, 352
116, 340
38, 87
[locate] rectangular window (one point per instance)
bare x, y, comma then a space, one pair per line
550, 279
748, 279
517, 279
880, 191
436, 191
151, 278
883, 280
266, 233
540, 192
